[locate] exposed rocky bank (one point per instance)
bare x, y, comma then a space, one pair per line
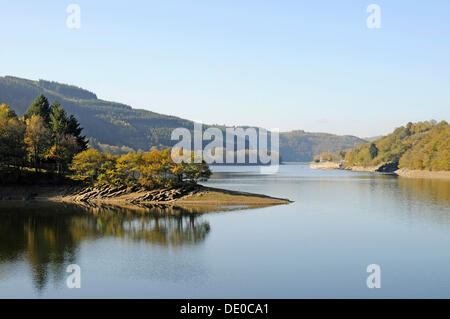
184, 195
385, 168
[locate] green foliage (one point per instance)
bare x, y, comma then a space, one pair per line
109, 149
74, 129
69, 91
44, 139
116, 128
109, 123
41, 107
373, 150
329, 157
300, 146
58, 121
49, 140
66, 137
341, 154
432, 152
197, 172
422, 145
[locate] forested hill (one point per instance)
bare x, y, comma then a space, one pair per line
108, 122
117, 127
301, 146
417, 146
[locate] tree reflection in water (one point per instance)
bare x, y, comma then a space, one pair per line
435, 190
47, 235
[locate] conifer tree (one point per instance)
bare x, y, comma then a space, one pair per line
41, 107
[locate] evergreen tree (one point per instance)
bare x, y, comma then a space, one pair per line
73, 128
46, 139
373, 150
58, 122
66, 137
41, 107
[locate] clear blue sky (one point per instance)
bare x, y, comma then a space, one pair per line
311, 65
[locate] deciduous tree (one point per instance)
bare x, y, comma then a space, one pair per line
37, 138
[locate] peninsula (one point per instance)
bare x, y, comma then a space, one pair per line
44, 156
420, 150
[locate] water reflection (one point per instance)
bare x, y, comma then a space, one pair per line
171, 252
434, 190
47, 235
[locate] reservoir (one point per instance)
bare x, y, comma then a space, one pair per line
318, 246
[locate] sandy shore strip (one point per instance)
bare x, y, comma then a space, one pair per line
385, 168
326, 165
403, 172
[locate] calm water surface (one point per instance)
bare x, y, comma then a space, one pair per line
318, 246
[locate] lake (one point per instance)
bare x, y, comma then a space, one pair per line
318, 246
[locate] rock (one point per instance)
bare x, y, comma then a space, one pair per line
388, 167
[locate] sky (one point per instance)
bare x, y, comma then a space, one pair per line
309, 65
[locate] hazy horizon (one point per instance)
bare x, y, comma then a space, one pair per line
215, 123
293, 66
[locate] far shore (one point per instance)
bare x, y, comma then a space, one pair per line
326, 165
423, 174
189, 195
402, 172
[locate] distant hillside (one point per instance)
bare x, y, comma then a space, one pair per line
116, 127
301, 146
417, 146
372, 138
108, 122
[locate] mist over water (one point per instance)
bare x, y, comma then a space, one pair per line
319, 246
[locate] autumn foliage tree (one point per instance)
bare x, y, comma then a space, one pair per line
49, 141
147, 170
87, 165
45, 139
421, 145
37, 139
12, 145
432, 152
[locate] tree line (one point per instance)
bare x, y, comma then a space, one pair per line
44, 139
114, 123
48, 141
148, 170
330, 157
421, 145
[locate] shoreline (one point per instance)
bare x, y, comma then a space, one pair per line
326, 165
385, 168
407, 173
188, 195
